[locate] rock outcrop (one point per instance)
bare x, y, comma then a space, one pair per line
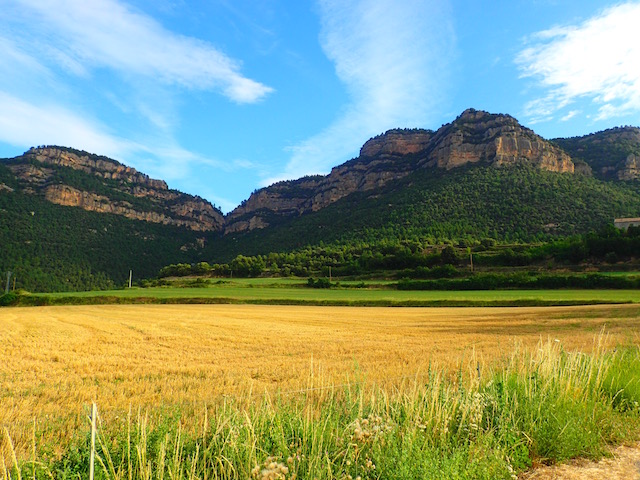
498, 140
397, 142
631, 168
474, 137
31, 174
96, 165
611, 154
41, 171
72, 197
382, 159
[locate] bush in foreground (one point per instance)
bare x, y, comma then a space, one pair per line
542, 407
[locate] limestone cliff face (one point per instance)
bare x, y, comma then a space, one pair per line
474, 137
100, 166
32, 174
498, 140
39, 171
72, 197
631, 168
397, 142
379, 165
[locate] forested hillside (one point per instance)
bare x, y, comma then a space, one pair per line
71, 220
51, 247
612, 153
510, 204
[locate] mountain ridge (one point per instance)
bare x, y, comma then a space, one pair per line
611, 153
73, 220
49, 170
475, 137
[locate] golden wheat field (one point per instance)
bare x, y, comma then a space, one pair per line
54, 361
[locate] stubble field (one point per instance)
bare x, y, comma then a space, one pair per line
55, 361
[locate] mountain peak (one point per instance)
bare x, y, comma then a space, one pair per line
472, 114
76, 178
473, 137
397, 142
496, 139
94, 164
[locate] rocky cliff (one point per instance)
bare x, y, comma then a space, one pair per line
70, 177
610, 154
93, 164
498, 140
474, 137
106, 186
382, 159
631, 168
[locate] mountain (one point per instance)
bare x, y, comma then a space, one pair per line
475, 137
471, 203
73, 220
125, 221
99, 184
610, 154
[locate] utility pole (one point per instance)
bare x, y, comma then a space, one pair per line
329, 273
130, 276
6, 290
470, 258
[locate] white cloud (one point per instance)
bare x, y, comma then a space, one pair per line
13, 58
570, 115
66, 63
598, 60
108, 34
392, 58
23, 123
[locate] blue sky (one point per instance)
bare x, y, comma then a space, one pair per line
221, 97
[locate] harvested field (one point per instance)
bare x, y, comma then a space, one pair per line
55, 360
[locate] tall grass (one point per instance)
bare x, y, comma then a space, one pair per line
542, 406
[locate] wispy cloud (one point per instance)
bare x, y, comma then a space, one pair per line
24, 123
109, 34
105, 77
570, 115
392, 58
597, 60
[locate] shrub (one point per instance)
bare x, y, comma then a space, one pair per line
319, 283
8, 299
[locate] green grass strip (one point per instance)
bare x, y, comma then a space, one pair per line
45, 300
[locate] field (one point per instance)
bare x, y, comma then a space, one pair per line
55, 360
370, 293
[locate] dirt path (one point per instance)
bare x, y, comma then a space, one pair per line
624, 465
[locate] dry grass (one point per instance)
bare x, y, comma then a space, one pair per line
55, 360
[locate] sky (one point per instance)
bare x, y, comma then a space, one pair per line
223, 97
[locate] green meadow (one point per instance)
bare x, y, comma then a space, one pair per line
269, 290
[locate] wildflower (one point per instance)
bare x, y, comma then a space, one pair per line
370, 427
273, 470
